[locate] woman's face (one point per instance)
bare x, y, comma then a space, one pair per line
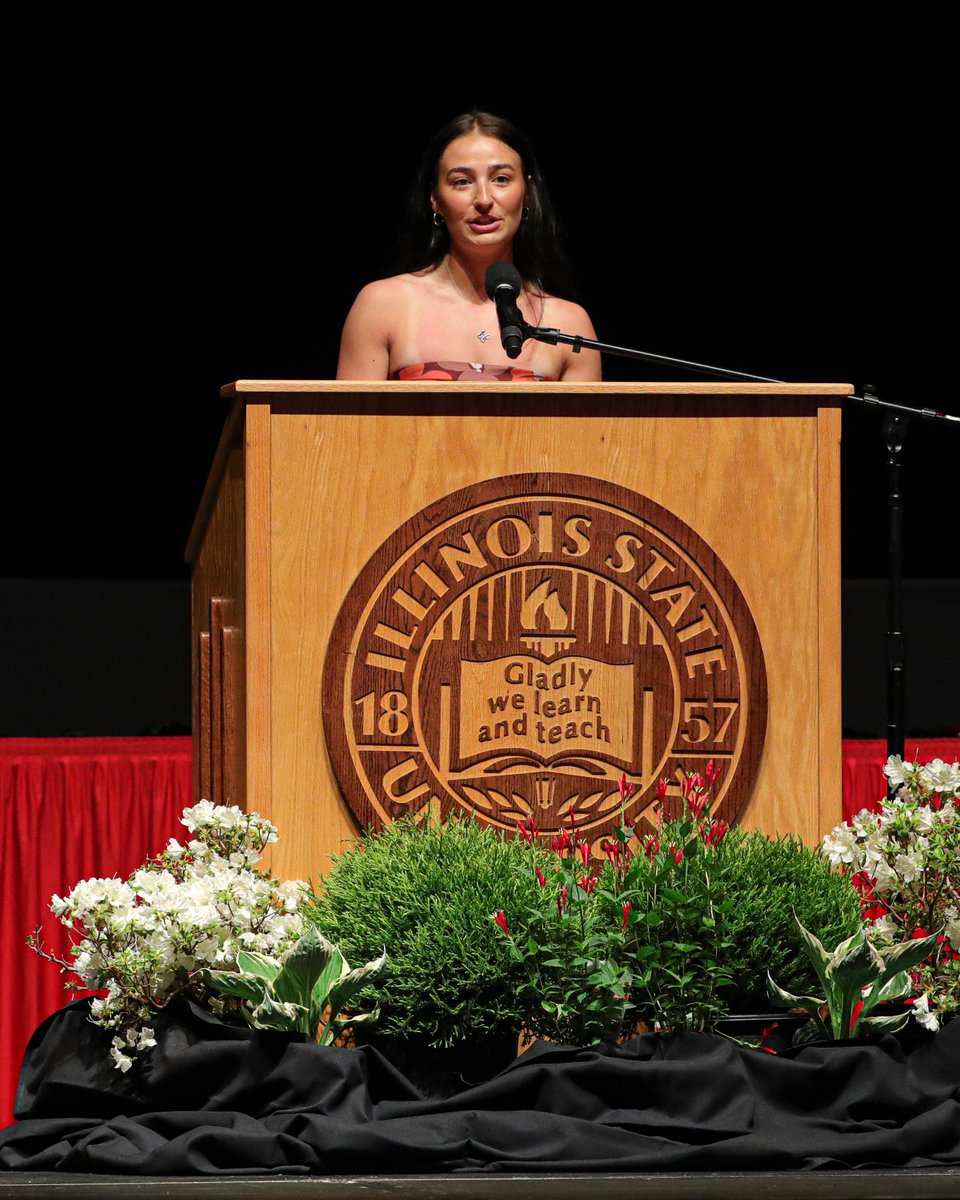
480, 193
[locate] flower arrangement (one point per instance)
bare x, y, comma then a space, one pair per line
906, 861
146, 939
638, 937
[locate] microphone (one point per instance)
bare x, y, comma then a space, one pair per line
503, 286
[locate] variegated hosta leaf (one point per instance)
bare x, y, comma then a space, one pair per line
364, 1018
271, 1014
853, 969
810, 1004
890, 1024
814, 948
907, 954
260, 965
305, 963
351, 983
332, 973
231, 983
894, 989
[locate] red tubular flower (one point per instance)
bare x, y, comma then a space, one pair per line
662, 790
584, 850
523, 830
562, 842
696, 804
715, 833
587, 883
625, 789
677, 855
540, 878
626, 914
501, 919
652, 847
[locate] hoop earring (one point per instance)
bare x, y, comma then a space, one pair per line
437, 220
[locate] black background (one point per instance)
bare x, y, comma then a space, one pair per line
200, 190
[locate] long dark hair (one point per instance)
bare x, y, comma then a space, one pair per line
537, 248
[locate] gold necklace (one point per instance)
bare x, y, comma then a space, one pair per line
482, 334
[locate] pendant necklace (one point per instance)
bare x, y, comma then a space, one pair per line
482, 334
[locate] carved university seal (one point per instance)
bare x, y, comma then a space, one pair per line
518, 645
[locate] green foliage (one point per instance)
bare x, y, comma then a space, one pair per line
307, 992
578, 969
681, 928
427, 893
767, 880
642, 939
856, 974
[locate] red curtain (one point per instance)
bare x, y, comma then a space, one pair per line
71, 808
864, 783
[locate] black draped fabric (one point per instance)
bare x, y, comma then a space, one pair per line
212, 1098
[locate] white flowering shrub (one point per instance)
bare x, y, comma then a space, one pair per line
147, 938
906, 861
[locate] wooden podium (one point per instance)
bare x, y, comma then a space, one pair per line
313, 479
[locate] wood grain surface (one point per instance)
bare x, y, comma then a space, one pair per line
331, 471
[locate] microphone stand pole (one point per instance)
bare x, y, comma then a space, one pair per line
895, 423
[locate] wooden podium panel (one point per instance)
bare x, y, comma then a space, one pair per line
312, 477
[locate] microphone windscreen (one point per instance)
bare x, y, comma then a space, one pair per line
502, 275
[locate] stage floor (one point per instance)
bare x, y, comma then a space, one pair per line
923, 1184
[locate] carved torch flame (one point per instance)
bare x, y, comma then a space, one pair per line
546, 601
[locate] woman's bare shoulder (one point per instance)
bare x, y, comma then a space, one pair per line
567, 315
387, 292
570, 317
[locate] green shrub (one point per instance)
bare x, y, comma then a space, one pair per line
427, 893
768, 880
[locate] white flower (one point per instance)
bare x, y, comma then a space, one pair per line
121, 1061
921, 1010
908, 866
941, 777
203, 813
884, 876
894, 771
884, 929
840, 846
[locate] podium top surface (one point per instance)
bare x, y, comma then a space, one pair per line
245, 388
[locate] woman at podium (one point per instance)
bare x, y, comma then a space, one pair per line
479, 198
